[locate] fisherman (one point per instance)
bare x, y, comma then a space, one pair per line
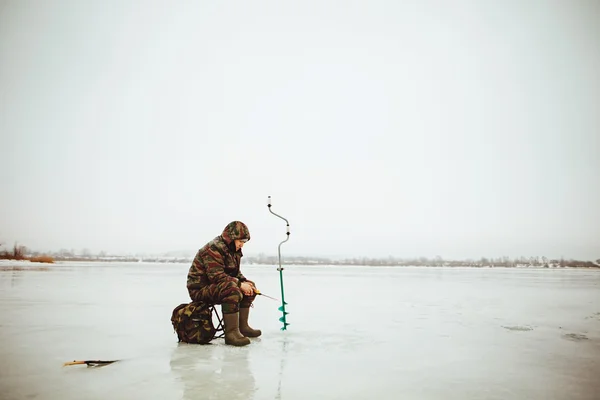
215, 278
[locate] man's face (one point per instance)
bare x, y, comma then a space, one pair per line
239, 244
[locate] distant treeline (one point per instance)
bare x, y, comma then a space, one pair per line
508, 262
22, 253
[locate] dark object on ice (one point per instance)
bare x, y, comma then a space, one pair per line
575, 337
518, 328
193, 323
90, 363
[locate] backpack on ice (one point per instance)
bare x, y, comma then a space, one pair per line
193, 323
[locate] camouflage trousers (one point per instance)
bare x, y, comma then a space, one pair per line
228, 294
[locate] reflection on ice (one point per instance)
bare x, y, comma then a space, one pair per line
212, 371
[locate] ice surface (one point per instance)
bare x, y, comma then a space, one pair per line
355, 333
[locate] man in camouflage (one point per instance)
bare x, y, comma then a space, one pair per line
215, 278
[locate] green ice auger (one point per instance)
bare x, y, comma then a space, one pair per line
280, 269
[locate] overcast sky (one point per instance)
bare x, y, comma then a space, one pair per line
405, 128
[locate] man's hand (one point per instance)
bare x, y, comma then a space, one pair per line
247, 288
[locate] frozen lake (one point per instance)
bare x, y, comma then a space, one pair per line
355, 333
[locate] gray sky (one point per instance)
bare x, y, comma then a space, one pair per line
460, 129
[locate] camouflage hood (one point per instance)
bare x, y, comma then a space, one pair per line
235, 230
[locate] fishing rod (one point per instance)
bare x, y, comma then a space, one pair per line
262, 294
280, 269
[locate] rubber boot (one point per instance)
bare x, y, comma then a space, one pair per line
233, 335
245, 329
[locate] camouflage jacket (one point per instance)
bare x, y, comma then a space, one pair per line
218, 261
